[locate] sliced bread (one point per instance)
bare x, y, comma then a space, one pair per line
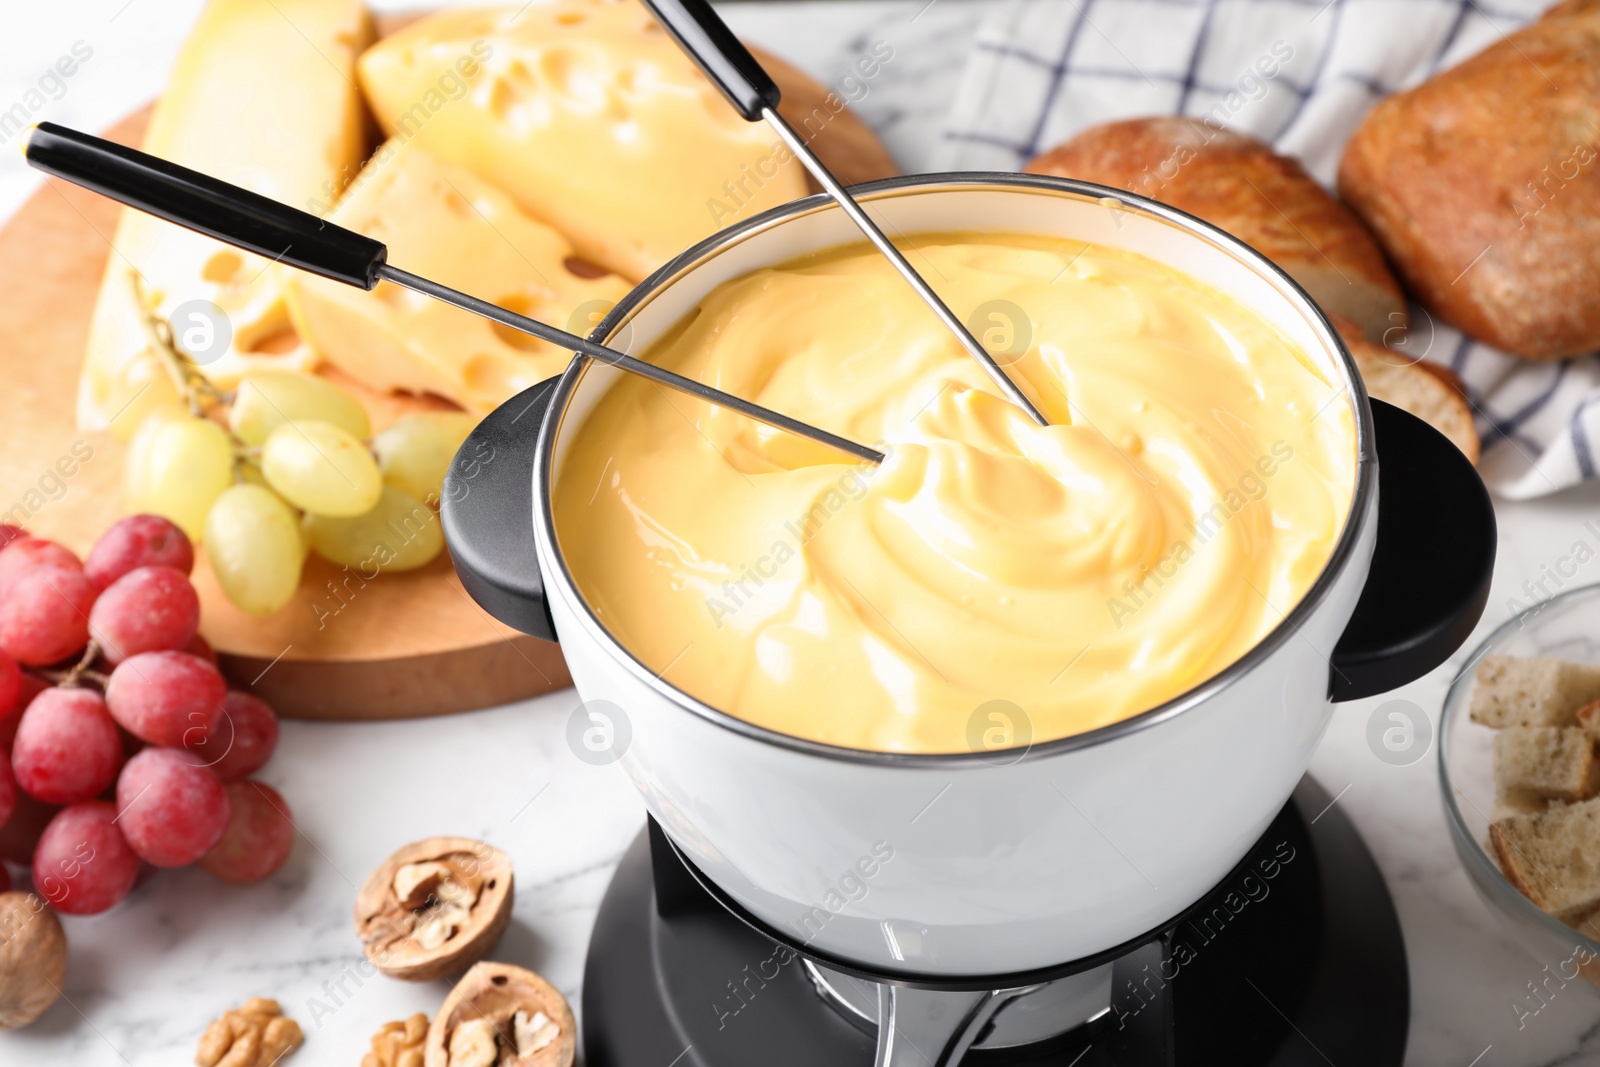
1544, 761
1553, 857
1532, 691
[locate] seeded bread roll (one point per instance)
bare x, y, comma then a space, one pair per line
1483, 185
1544, 761
1553, 857
1430, 391
1240, 184
1531, 691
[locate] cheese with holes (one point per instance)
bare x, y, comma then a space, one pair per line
444, 223
590, 116
262, 95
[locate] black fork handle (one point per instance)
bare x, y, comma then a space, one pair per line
208, 205
702, 34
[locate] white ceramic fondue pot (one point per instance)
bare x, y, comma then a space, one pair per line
958, 883
984, 870
982, 864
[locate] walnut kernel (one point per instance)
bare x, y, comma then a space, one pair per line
474, 1044
398, 1044
256, 1035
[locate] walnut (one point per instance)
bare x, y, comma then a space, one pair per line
502, 1016
33, 959
256, 1035
533, 1033
435, 907
474, 1044
398, 1044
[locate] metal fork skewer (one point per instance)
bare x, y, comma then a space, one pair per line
797, 144
303, 241
622, 361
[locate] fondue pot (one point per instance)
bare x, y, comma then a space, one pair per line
963, 867
979, 893
982, 870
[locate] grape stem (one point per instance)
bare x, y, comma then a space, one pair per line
74, 676
192, 385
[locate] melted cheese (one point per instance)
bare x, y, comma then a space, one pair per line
262, 95
1192, 484
442, 222
587, 113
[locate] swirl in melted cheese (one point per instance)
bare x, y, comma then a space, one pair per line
1192, 485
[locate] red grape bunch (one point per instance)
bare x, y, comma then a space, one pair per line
125, 747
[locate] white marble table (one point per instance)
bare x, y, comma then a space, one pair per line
146, 978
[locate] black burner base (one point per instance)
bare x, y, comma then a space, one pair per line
1302, 965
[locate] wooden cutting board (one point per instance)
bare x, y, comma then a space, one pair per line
400, 646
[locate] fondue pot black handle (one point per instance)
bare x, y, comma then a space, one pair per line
702, 34
487, 513
1429, 579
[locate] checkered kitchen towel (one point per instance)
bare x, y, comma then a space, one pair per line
1300, 74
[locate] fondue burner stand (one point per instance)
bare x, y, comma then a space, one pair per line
1294, 958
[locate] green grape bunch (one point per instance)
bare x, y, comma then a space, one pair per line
285, 465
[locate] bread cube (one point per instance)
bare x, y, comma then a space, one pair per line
1532, 691
1588, 718
1508, 802
1553, 857
1544, 761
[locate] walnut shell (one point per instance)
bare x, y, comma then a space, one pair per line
458, 902
494, 993
33, 959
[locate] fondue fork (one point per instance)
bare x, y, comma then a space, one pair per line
299, 239
706, 39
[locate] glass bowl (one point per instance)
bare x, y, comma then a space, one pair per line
1567, 627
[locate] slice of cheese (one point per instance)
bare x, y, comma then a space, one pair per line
444, 223
262, 95
590, 116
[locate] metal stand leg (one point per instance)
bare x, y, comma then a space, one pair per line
927, 1028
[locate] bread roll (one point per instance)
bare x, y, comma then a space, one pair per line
1483, 184
1240, 184
1427, 390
